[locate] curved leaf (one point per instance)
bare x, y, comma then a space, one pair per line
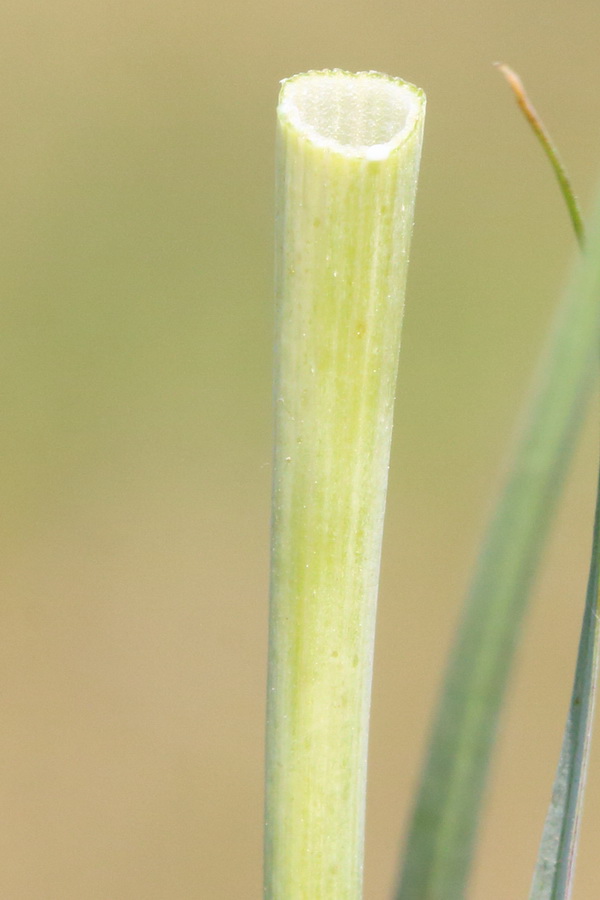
445, 819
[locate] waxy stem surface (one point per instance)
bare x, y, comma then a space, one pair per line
348, 156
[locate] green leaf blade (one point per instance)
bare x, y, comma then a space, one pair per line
549, 147
553, 877
445, 819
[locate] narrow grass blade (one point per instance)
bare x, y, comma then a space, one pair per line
445, 819
348, 156
553, 878
549, 148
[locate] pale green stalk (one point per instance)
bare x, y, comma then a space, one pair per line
348, 156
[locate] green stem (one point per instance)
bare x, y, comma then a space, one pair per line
348, 156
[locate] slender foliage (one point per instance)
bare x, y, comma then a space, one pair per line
553, 878
445, 818
549, 148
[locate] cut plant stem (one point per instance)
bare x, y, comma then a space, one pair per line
348, 157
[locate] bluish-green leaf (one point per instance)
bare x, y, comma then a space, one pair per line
446, 815
553, 878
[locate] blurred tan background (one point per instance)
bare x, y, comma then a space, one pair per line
135, 353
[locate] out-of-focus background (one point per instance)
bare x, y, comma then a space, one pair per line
135, 356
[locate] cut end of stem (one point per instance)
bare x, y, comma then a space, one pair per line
366, 115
